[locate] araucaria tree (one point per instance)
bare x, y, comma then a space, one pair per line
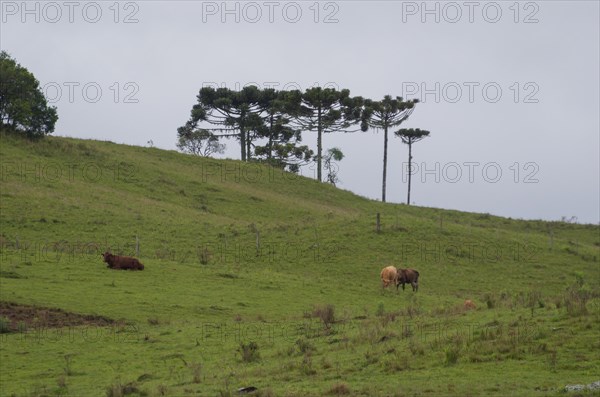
269, 124
199, 142
249, 115
281, 148
410, 136
234, 113
386, 114
327, 110
23, 107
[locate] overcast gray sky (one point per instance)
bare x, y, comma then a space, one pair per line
509, 90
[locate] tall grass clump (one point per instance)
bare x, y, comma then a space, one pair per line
577, 296
326, 313
249, 352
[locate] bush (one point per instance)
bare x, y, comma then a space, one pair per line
249, 352
452, 354
576, 299
204, 256
490, 301
577, 296
326, 314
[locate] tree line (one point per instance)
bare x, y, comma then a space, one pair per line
269, 124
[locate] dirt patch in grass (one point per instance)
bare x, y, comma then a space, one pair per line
30, 316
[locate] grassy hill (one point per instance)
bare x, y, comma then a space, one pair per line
256, 277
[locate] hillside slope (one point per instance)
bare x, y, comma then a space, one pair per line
238, 252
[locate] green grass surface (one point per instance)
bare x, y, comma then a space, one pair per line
207, 289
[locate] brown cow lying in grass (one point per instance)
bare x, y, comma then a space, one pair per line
122, 262
408, 276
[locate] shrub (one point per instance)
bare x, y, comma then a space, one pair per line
205, 254
326, 313
452, 354
578, 295
576, 299
490, 300
249, 352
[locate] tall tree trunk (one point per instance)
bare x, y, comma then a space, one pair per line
248, 146
409, 168
385, 145
319, 144
270, 152
243, 140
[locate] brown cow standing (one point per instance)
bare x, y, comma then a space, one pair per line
122, 262
408, 276
389, 275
